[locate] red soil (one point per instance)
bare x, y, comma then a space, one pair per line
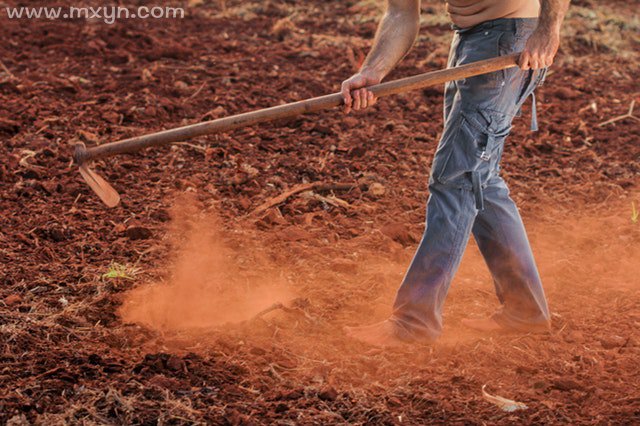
68, 356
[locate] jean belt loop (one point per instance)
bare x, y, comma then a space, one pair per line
477, 190
534, 116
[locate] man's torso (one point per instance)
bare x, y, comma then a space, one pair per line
467, 13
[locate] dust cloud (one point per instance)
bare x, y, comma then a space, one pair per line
209, 283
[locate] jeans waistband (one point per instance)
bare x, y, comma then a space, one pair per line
501, 24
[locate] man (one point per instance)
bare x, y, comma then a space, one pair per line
467, 194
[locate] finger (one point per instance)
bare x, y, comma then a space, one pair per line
348, 103
535, 62
364, 98
548, 62
524, 60
372, 99
346, 96
532, 59
356, 100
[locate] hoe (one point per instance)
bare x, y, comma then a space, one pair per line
83, 156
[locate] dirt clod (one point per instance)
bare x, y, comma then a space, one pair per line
611, 342
399, 232
376, 189
12, 300
138, 233
328, 394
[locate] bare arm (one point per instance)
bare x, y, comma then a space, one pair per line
543, 44
396, 34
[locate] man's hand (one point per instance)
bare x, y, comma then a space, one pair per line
543, 44
540, 50
354, 91
396, 34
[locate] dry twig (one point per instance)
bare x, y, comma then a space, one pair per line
304, 187
194, 146
271, 308
629, 114
7, 71
283, 307
197, 92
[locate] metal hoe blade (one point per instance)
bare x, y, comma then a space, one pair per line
107, 194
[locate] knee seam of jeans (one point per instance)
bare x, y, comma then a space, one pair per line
457, 241
490, 207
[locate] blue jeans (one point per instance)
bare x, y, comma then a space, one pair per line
467, 194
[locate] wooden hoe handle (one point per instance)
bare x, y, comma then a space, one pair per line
433, 78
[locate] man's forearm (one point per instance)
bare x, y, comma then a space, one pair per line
395, 36
552, 14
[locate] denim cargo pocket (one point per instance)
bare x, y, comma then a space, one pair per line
475, 146
464, 151
497, 126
